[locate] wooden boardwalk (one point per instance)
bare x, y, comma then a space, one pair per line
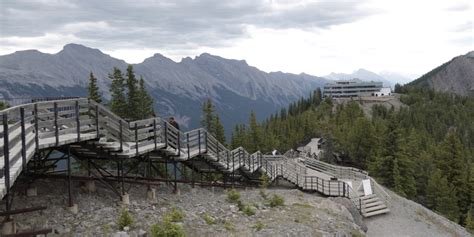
88, 129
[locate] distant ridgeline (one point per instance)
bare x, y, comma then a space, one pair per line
424, 151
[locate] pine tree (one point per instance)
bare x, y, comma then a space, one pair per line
118, 103
3, 105
145, 110
208, 115
441, 196
218, 130
133, 100
255, 133
93, 89
470, 221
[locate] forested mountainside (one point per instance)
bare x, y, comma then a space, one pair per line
177, 87
424, 151
455, 76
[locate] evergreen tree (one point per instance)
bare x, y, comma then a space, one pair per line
93, 89
133, 97
218, 130
470, 221
3, 105
208, 110
118, 103
145, 109
441, 196
255, 133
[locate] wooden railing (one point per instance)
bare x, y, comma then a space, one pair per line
30, 127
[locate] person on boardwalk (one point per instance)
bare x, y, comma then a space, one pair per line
173, 122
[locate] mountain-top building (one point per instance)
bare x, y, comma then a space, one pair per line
355, 88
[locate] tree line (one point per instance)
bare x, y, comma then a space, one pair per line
129, 97
423, 151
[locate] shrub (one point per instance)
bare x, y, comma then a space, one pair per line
356, 233
209, 219
259, 226
265, 181
175, 215
124, 219
229, 226
233, 196
167, 229
248, 210
263, 194
276, 201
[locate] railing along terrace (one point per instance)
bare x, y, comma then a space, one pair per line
14, 101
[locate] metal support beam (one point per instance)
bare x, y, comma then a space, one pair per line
175, 176
69, 181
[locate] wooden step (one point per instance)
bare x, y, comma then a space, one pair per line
368, 197
372, 204
371, 200
379, 212
374, 208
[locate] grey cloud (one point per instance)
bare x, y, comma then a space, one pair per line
174, 24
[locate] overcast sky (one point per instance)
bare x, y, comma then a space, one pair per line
315, 37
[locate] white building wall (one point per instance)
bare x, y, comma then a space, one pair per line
386, 91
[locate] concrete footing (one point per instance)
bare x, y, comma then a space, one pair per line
90, 186
74, 209
8, 227
31, 192
151, 194
126, 199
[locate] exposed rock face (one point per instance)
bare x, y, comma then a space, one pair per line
456, 76
179, 88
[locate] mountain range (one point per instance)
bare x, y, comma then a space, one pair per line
456, 76
179, 88
389, 79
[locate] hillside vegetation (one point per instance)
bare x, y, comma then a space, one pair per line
423, 151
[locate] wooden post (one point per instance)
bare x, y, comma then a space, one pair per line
121, 135
78, 122
97, 121
23, 139
136, 139
199, 143
154, 133
6, 162
165, 131
36, 127
56, 127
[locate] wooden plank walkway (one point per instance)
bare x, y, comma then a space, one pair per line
30, 128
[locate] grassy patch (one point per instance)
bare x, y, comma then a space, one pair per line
167, 229
124, 219
233, 196
276, 201
259, 226
209, 219
303, 205
175, 215
356, 233
229, 226
248, 210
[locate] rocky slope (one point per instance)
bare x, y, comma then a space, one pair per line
303, 214
456, 76
178, 87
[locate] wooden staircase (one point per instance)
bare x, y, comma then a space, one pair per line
92, 130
